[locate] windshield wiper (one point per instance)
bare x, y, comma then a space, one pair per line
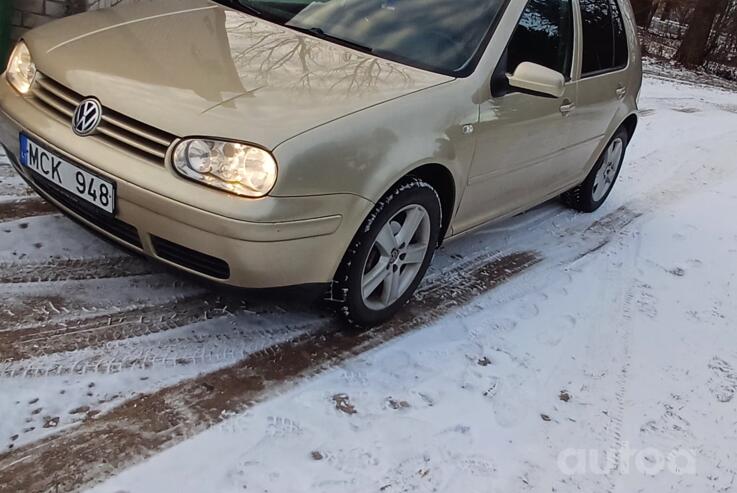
319, 33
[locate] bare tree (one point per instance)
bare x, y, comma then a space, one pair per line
76, 6
695, 46
644, 12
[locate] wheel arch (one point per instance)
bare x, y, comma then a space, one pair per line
630, 124
441, 179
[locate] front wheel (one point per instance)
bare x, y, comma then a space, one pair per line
390, 254
594, 191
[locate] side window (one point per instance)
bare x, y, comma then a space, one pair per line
544, 36
621, 50
604, 38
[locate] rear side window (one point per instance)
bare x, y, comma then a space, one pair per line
620, 36
544, 36
604, 37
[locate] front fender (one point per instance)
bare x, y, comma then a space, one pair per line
367, 152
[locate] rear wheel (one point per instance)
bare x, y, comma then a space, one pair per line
390, 255
594, 191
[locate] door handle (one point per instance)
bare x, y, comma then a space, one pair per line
567, 108
621, 92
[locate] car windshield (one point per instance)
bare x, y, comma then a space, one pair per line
439, 35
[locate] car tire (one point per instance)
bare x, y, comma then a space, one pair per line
593, 192
386, 262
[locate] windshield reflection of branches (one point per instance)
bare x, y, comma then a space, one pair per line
265, 54
442, 34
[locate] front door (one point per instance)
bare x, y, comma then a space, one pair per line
522, 139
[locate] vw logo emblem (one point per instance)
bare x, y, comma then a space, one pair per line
87, 117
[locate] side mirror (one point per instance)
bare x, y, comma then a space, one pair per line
533, 78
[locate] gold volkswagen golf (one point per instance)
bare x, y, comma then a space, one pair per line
267, 143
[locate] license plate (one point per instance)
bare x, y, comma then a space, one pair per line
71, 177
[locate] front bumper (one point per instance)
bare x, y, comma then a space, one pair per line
270, 242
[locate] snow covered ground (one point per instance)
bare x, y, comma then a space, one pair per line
604, 357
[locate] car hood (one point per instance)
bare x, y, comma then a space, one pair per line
194, 67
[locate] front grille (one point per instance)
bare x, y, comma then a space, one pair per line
191, 259
119, 229
116, 130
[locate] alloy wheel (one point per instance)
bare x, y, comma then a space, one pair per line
396, 257
609, 169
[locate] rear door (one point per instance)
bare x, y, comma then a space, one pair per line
605, 79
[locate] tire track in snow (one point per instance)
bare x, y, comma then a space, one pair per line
600, 233
11, 184
207, 344
24, 208
638, 302
64, 269
12, 188
622, 380
143, 426
6, 170
94, 331
619, 367
605, 229
26, 306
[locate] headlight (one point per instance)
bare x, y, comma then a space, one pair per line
21, 69
237, 168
